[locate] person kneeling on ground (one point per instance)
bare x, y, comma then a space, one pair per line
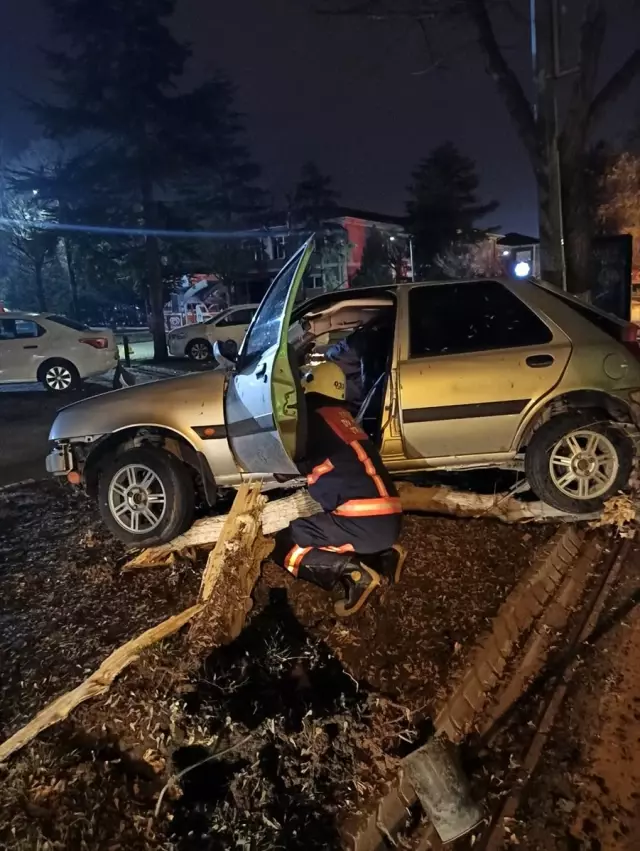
354, 541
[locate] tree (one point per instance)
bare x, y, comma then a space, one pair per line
619, 210
314, 199
33, 245
376, 267
443, 205
469, 260
584, 104
161, 148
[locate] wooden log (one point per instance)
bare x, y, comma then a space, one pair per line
501, 506
430, 500
275, 515
97, 683
232, 569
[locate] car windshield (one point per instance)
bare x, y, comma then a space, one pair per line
68, 323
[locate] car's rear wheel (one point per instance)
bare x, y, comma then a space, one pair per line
59, 376
146, 496
576, 461
199, 351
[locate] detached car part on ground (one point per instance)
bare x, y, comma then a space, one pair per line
492, 373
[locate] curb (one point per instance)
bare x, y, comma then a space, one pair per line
462, 708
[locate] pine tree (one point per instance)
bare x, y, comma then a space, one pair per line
376, 267
443, 206
314, 199
158, 150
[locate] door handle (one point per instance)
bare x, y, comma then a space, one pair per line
538, 361
29, 347
262, 372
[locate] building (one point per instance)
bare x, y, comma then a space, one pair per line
340, 244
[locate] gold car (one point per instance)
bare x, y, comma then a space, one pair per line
457, 375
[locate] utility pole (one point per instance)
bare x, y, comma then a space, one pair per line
545, 56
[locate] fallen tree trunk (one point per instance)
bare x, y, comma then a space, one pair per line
431, 500
232, 569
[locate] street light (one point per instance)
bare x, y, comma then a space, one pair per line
522, 269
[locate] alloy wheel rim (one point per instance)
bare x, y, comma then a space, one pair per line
137, 498
583, 464
58, 378
200, 351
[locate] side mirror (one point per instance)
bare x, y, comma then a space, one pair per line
226, 353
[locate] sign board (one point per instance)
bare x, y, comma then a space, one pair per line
611, 286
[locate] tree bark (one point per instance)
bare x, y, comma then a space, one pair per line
73, 280
154, 273
578, 226
39, 281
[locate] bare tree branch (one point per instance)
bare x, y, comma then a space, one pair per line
382, 9
592, 35
615, 86
504, 77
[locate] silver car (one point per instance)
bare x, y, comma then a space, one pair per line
465, 374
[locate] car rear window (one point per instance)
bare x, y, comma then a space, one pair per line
474, 316
604, 321
68, 323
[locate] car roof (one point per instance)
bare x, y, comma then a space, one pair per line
21, 314
317, 302
238, 307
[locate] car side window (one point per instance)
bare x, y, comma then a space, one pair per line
25, 329
237, 317
470, 317
19, 329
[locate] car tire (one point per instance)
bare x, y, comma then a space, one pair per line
59, 376
146, 496
199, 350
576, 461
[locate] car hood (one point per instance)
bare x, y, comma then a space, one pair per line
177, 403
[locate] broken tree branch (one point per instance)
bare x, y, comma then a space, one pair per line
232, 569
97, 683
276, 515
439, 499
225, 599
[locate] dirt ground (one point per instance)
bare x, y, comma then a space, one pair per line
585, 795
301, 720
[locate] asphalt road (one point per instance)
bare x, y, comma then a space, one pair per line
27, 411
26, 415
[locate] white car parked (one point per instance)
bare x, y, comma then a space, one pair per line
196, 341
54, 350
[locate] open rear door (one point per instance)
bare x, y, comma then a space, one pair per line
264, 397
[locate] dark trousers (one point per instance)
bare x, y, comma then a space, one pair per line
320, 547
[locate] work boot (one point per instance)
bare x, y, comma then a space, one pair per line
358, 582
388, 563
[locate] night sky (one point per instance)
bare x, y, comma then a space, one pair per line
357, 97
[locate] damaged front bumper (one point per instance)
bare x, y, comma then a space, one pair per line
59, 461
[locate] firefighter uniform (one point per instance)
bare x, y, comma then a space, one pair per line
353, 541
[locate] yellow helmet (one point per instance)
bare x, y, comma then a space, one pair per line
327, 379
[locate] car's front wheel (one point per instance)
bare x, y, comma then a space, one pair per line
59, 376
146, 496
576, 461
199, 351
